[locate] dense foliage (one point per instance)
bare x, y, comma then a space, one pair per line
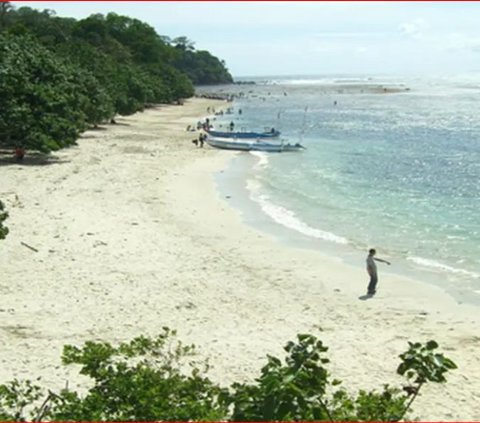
200, 66
59, 75
155, 379
45, 102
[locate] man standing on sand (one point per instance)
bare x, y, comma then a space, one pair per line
372, 270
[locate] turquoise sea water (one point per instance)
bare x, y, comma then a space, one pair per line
396, 170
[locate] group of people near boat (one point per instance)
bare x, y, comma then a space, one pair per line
200, 141
371, 259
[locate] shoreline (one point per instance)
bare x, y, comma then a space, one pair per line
133, 235
232, 180
410, 309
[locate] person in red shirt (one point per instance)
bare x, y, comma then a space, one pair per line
19, 153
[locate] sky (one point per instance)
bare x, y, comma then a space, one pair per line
312, 38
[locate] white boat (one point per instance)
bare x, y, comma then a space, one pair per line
251, 144
272, 133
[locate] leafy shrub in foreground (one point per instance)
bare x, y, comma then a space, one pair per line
301, 389
153, 379
3, 217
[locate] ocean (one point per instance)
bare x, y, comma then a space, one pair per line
390, 163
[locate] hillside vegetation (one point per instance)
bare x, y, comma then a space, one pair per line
59, 76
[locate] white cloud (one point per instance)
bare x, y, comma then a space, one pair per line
416, 28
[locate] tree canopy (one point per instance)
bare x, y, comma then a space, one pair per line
60, 75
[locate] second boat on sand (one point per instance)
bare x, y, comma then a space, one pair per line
250, 144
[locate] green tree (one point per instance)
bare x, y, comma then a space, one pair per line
92, 99
44, 103
132, 64
5, 9
59, 76
183, 43
140, 38
201, 67
47, 28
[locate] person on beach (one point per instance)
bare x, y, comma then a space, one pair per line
232, 126
201, 139
19, 153
372, 270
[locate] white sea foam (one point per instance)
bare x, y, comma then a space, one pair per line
262, 158
456, 237
423, 183
322, 81
442, 267
287, 218
331, 81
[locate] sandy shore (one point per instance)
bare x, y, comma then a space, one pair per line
132, 236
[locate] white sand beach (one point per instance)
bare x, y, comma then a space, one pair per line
132, 235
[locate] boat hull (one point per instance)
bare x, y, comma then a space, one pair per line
243, 135
252, 145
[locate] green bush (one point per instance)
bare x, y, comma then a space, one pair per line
157, 379
3, 217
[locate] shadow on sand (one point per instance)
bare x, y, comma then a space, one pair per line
105, 126
365, 297
31, 159
120, 123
